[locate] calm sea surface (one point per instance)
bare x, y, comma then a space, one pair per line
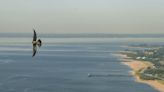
63, 64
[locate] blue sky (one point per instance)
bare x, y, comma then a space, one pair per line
82, 16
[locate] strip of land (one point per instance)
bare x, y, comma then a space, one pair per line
137, 66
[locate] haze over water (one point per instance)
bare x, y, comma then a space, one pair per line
63, 63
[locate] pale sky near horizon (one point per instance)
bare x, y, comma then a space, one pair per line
82, 16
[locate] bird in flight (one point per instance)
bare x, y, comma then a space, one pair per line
35, 43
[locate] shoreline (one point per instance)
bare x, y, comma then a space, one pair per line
137, 65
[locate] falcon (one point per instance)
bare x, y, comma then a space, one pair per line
35, 43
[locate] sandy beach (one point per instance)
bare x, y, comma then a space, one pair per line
136, 65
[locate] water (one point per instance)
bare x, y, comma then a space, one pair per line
63, 65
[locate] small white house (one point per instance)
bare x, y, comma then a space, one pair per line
138, 58
143, 58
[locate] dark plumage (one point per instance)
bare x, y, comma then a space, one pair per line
35, 43
34, 36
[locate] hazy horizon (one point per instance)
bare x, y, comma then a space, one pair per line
82, 16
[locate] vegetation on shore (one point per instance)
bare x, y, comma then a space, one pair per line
155, 56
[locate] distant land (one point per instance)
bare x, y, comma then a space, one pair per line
147, 64
84, 35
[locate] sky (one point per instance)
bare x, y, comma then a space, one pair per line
82, 16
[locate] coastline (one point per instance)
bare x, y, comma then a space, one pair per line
137, 65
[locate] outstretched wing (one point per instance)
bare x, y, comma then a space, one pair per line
34, 36
34, 50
